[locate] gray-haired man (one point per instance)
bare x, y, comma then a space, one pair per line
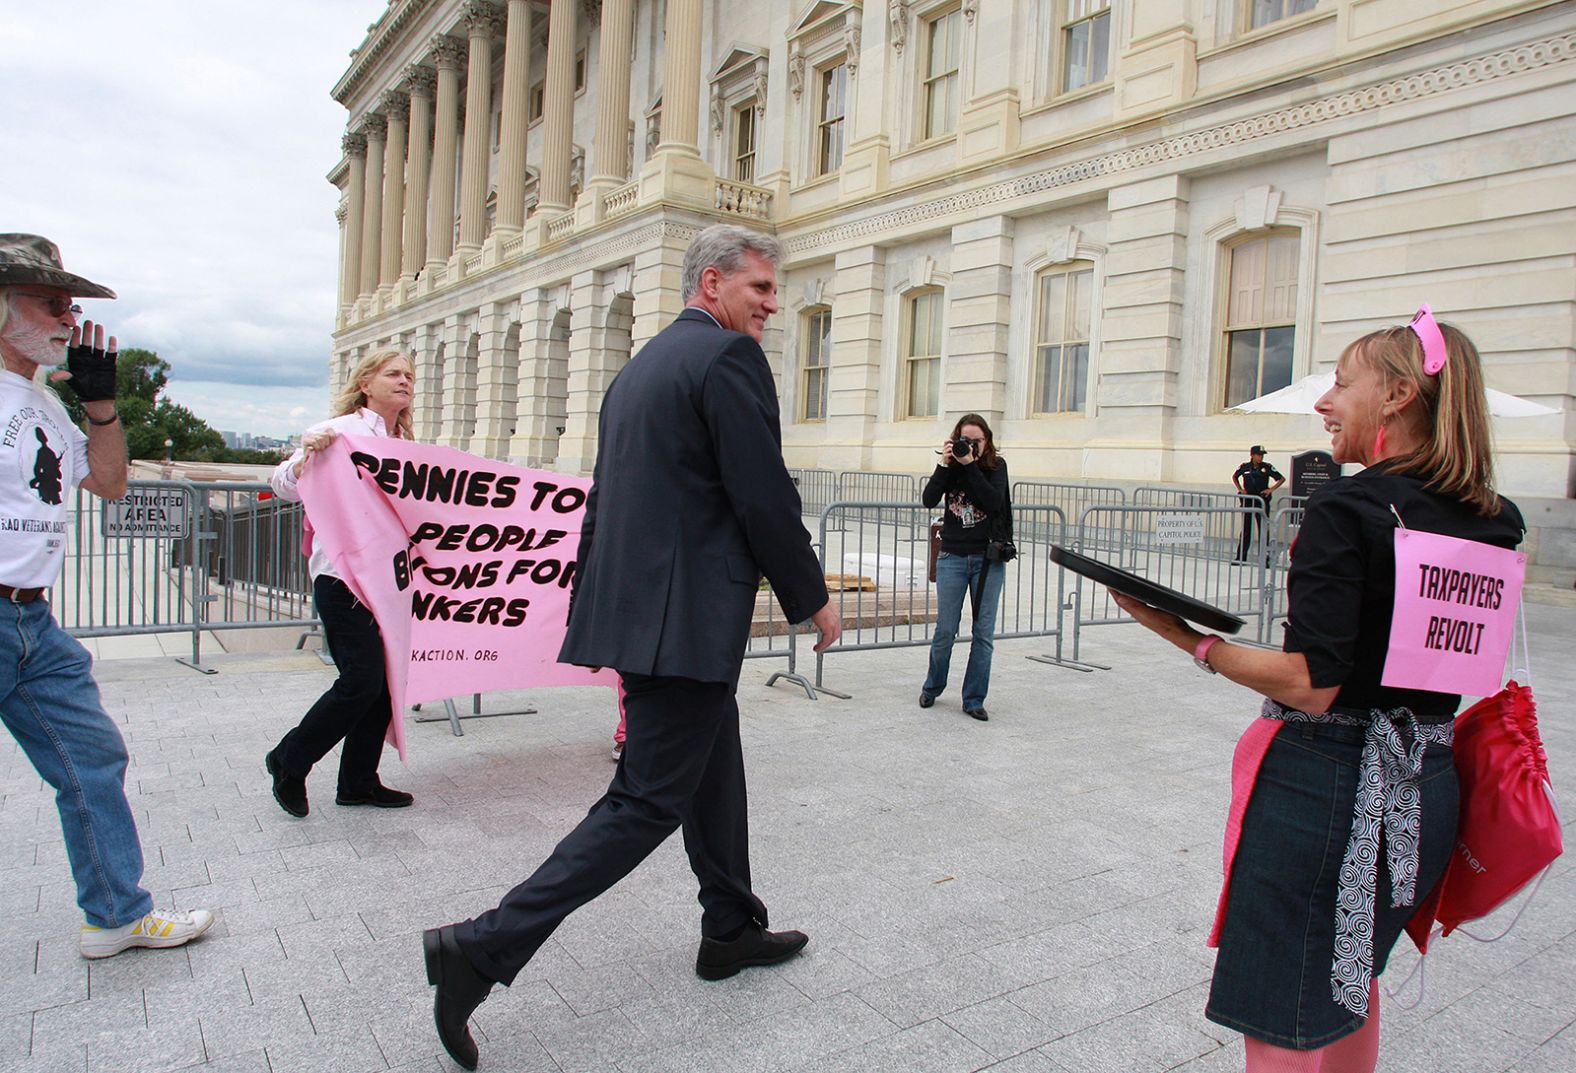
691, 505
48, 698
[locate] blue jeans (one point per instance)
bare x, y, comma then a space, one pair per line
955, 576
51, 706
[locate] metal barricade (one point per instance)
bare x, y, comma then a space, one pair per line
876, 558
1278, 537
257, 574
144, 578
1191, 550
869, 485
817, 489
1072, 498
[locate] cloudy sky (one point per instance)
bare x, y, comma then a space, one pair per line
176, 151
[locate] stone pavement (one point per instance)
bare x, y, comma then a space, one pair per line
1028, 895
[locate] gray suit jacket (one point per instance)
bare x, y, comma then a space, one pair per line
690, 505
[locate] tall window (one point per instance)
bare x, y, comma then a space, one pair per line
833, 92
943, 51
744, 143
1261, 315
535, 102
1264, 12
817, 362
922, 374
1061, 347
1086, 43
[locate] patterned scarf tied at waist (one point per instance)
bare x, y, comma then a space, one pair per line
1388, 798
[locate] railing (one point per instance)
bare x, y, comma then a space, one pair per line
560, 227
741, 199
817, 489
469, 264
511, 246
622, 201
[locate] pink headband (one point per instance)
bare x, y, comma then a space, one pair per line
1426, 328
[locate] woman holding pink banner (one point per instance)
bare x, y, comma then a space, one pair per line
1344, 805
356, 709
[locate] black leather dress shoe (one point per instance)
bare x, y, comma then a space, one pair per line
379, 796
290, 793
719, 960
460, 990
977, 713
926, 700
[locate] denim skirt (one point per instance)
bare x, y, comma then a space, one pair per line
1272, 971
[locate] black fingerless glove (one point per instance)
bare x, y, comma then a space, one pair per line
92, 373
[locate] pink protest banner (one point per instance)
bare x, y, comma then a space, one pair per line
1455, 610
466, 563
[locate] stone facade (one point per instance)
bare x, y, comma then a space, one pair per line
1122, 217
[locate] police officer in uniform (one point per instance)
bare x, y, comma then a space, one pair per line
1253, 480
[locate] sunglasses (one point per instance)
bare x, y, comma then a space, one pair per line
57, 304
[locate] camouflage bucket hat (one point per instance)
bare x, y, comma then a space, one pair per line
35, 259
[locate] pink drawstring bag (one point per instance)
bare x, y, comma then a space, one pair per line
1510, 827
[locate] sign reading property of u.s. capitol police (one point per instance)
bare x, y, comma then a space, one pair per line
148, 512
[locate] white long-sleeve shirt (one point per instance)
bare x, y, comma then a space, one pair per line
363, 422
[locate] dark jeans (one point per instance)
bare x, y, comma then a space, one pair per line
1249, 521
357, 707
683, 766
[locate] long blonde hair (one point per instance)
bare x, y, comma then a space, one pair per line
351, 398
1456, 455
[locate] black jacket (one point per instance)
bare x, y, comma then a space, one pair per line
976, 505
690, 505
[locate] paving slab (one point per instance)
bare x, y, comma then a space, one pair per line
1025, 895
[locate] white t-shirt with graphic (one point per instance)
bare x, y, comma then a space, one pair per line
43, 457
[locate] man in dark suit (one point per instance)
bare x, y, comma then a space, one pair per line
690, 505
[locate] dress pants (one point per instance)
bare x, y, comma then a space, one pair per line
683, 766
1255, 504
357, 707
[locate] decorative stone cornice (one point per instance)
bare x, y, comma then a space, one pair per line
482, 18
897, 16
851, 43
1421, 86
761, 67
381, 37
796, 72
374, 125
354, 143
341, 212
419, 81
969, 8
395, 105
447, 53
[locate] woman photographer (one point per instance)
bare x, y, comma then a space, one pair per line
1316, 895
972, 481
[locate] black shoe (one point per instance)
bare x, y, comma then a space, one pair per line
719, 960
925, 699
290, 793
460, 990
379, 796
977, 713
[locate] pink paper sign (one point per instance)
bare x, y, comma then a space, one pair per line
466, 563
1455, 610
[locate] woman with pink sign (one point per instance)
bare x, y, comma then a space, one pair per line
1344, 794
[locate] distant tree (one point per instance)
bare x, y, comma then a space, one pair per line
149, 419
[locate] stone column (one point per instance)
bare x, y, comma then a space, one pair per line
558, 107
431, 352
515, 118
858, 339
419, 84
460, 359
481, 21
1141, 330
540, 408
355, 146
589, 373
979, 319
396, 107
340, 212
681, 78
610, 153
497, 375
375, 127
448, 56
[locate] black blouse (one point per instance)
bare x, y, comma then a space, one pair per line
1342, 585
976, 505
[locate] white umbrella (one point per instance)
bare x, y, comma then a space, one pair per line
1299, 398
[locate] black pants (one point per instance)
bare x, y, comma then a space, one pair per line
682, 766
1255, 505
357, 707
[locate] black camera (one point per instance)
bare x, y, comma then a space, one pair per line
962, 447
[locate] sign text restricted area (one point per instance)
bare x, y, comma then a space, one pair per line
148, 512
1179, 529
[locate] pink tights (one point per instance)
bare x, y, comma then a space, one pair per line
1356, 1053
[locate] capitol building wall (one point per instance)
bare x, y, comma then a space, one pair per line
1101, 223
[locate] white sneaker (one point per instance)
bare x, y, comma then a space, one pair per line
159, 929
618, 750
